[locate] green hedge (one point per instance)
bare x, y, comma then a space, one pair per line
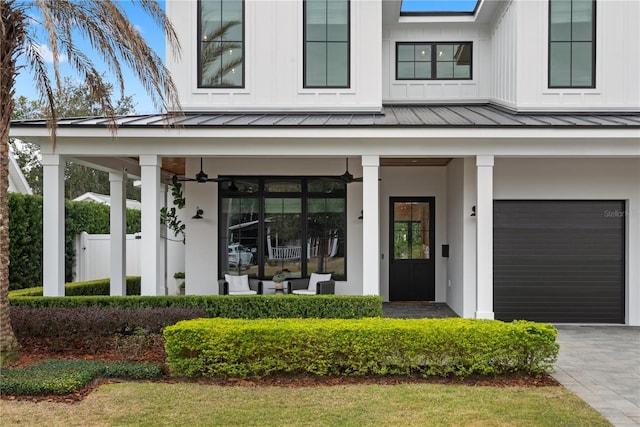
25, 234
68, 376
91, 287
375, 346
244, 307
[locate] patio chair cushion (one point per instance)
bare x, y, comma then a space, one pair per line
238, 284
315, 278
249, 292
304, 292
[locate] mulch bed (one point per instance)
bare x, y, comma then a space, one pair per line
33, 351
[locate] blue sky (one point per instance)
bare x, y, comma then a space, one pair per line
149, 31
438, 5
155, 39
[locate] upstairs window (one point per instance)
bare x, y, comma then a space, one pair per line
433, 61
572, 49
326, 43
221, 43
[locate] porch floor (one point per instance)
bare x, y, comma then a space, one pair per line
417, 310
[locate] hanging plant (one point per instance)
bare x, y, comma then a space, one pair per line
169, 217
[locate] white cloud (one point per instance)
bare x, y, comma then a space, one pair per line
47, 55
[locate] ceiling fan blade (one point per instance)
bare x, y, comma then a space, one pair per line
175, 179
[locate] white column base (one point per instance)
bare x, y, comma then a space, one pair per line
485, 315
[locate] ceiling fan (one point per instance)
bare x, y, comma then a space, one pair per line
348, 177
200, 177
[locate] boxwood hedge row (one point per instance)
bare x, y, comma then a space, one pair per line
358, 347
244, 307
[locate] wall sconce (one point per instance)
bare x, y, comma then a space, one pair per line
473, 210
360, 217
198, 214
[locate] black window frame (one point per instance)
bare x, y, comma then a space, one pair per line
304, 50
571, 43
433, 60
304, 195
199, 49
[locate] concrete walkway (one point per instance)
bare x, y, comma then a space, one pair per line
601, 364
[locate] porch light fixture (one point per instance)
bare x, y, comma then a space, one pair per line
361, 215
198, 214
473, 210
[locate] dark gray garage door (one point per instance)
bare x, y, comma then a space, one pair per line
559, 261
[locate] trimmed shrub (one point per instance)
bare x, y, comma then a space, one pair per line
68, 376
91, 287
375, 346
249, 307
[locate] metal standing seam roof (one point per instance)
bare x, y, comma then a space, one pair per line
434, 116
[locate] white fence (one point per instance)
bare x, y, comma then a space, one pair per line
93, 256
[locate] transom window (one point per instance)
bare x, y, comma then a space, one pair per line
572, 48
221, 43
326, 43
433, 61
295, 225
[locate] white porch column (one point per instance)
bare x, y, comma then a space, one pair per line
370, 226
484, 240
53, 225
151, 269
118, 229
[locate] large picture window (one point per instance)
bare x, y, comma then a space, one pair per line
433, 61
296, 225
326, 43
221, 43
572, 43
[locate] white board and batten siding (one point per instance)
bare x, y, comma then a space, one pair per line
274, 58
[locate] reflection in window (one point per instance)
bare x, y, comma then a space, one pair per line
326, 43
283, 234
296, 225
572, 43
432, 61
239, 235
411, 230
221, 38
325, 225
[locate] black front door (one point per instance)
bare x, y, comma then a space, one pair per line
412, 270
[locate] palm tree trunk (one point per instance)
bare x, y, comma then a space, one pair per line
11, 37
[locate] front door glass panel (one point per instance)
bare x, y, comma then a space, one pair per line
411, 230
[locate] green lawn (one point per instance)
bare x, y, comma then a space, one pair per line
155, 404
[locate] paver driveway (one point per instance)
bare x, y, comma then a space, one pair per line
601, 364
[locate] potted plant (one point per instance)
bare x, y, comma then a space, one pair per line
278, 278
179, 276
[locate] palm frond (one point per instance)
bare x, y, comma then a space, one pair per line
35, 61
105, 25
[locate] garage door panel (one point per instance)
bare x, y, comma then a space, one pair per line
559, 261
